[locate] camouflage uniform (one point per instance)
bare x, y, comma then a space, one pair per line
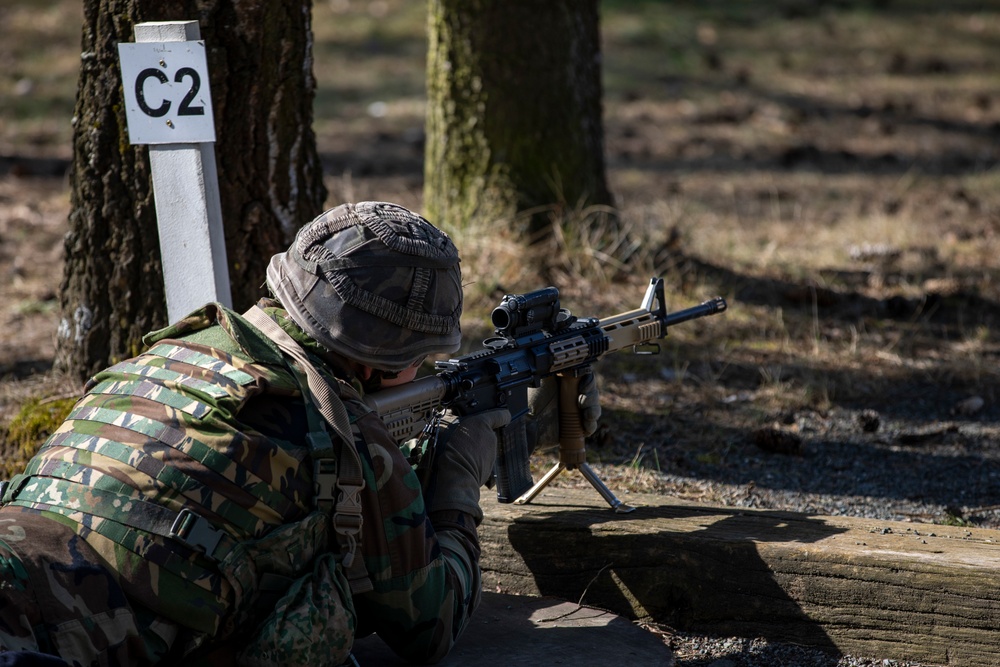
173, 510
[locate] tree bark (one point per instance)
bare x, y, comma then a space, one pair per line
513, 109
270, 178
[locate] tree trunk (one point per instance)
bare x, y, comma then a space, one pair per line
270, 178
513, 109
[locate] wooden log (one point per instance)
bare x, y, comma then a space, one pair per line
864, 587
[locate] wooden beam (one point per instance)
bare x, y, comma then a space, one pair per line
865, 587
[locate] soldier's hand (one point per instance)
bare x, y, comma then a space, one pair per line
462, 461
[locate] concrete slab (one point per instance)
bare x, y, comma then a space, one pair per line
513, 630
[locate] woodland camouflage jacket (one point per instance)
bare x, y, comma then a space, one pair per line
187, 469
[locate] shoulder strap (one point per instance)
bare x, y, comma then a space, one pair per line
327, 400
350, 479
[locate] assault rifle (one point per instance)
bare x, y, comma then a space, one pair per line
535, 339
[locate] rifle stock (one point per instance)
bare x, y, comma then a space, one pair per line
535, 339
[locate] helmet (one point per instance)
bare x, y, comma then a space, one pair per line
373, 282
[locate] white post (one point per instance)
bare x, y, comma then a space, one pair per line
162, 98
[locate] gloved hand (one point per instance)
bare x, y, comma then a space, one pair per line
543, 410
461, 461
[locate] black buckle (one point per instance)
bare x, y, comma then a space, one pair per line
324, 480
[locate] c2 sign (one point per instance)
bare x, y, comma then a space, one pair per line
167, 96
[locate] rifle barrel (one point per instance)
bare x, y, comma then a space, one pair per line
710, 307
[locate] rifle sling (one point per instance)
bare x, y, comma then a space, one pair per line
347, 518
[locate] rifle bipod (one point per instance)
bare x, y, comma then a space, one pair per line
588, 473
572, 450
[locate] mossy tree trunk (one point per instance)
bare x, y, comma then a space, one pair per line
270, 178
513, 109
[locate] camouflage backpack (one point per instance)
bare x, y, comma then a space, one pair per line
199, 514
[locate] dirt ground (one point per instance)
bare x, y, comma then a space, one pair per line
830, 168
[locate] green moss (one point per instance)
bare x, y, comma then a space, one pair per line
26, 432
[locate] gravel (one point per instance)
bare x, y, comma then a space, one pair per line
702, 651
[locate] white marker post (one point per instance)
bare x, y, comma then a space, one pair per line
168, 105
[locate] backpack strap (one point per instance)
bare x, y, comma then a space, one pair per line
110, 500
348, 476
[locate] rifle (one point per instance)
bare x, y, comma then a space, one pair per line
535, 339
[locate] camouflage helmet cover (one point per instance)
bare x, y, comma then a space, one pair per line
372, 281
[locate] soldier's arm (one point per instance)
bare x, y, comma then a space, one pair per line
424, 569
